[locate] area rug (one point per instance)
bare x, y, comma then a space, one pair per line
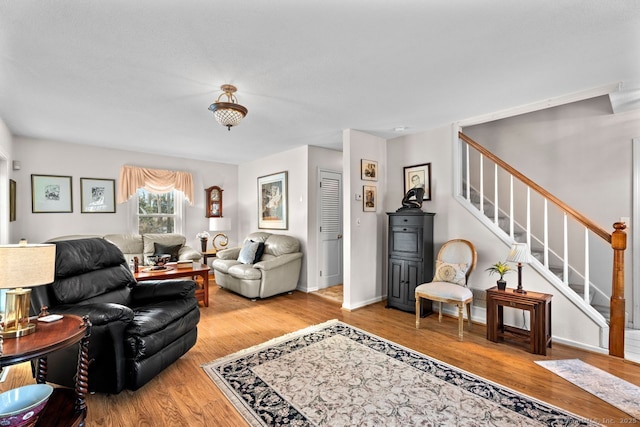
334, 374
613, 390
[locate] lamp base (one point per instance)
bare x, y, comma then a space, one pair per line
520, 291
29, 328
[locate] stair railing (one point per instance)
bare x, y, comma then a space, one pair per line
617, 239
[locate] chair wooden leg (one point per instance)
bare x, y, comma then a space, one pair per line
418, 309
460, 321
469, 314
440, 311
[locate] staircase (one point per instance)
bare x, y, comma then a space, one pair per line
597, 299
562, 240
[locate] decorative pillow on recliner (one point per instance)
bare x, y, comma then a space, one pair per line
452, 273
161, 249
248, 252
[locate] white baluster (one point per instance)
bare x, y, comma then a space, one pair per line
481, 183
546, 233
495, 192
586, 265
565, 270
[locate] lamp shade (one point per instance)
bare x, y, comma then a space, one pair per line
219, 224
26, 265
520, 253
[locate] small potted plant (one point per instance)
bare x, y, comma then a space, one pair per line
500, 268
204, 237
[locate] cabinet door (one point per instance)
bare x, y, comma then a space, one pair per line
406, 242
413, 278
395, 283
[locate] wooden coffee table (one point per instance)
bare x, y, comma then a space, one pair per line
174, 272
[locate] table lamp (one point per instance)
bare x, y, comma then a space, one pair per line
520, 254
217, 224
23, 265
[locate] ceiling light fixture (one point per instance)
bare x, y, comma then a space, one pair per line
228, 113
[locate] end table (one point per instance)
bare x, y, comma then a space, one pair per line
66, 407
539, 307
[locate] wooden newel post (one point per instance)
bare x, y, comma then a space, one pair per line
617, 305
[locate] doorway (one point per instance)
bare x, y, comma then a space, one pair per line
330, 229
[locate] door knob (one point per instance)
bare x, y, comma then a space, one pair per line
339, 236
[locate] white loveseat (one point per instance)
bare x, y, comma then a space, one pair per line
277, 271
143, 245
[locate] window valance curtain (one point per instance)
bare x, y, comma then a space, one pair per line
153, 180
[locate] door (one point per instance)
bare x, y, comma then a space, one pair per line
330, 229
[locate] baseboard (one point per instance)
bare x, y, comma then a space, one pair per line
363, 303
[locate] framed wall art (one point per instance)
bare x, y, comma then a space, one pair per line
97, 195
51, 194
370, 199
12, 200
368, 170
418, 176
273, 201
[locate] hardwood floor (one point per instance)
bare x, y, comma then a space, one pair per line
184, 395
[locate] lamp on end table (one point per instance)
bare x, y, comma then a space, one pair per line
520, 254
23, 265
217, 225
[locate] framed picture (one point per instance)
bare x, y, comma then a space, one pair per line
418, 176
369, 170
97, 195
12, 200
272, 201
51, 193
370, 199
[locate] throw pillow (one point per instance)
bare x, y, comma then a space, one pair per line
248, 252
172, 251
452, 273
259, 252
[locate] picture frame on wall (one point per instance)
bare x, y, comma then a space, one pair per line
273, 201
97, 195
368, 170
51, 194
418, 176
370, 198
12, 200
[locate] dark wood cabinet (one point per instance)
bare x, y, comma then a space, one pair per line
410, 256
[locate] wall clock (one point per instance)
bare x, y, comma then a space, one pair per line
214, 201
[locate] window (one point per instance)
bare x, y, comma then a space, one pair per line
159, 212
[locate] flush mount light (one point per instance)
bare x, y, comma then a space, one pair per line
228, 113
399, 128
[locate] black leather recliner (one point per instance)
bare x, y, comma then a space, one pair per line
138, 329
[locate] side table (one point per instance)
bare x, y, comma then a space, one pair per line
539, 307
66, 407
209, 254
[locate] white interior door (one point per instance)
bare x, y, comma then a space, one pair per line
330, 229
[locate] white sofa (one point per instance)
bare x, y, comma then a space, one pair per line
142, 245
276, 272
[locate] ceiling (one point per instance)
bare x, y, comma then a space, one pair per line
140, 75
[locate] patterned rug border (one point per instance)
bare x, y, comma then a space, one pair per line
508, 394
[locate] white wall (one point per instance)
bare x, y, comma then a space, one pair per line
295, 162
43, 157
5, 161
364, 232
